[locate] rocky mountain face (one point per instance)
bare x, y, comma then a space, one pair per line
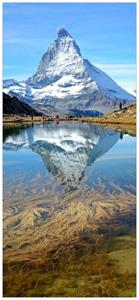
66, 82
66, 150
11, 105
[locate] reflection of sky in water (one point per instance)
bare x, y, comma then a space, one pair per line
24, 159
116, 164
125, 148
23, 165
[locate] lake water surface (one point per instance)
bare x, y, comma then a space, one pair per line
69, 210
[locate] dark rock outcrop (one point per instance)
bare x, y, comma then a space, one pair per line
11, 105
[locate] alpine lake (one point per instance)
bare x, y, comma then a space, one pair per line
69, 208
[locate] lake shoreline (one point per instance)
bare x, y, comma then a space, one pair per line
129, 128
28, 119
122, 119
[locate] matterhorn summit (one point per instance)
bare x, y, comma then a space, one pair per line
63, 58
66, 83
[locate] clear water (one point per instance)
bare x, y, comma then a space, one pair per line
69, 211
71, 154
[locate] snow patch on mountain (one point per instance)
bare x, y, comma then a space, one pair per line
65, 86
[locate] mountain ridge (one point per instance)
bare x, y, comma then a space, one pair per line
65, 81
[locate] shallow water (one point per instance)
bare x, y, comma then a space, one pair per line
69, 190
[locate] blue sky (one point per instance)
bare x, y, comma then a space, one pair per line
105, 33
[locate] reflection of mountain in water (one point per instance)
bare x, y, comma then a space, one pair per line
66, 149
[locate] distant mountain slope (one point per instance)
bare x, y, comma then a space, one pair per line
65, 82
11, 105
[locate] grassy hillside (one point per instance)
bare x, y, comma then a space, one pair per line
126, 115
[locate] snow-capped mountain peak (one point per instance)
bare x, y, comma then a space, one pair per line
62, 32
62, 58
65, 82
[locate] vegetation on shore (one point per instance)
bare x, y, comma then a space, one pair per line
126, 115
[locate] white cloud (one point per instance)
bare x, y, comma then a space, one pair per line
19, 77
128, 85
18, 40
123, 74
14, 40
9, 67
118, 68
